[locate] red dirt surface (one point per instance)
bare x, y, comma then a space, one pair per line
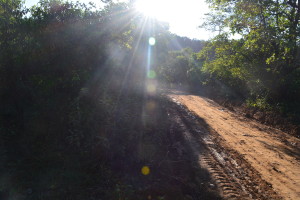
275, 155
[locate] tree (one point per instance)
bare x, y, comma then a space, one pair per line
266, 57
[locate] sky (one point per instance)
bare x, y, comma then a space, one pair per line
183, 16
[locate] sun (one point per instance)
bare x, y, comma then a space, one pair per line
159, 9
183, 17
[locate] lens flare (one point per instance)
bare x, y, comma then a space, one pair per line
152, 41
151, 74
151, 88
145, 170
150, 106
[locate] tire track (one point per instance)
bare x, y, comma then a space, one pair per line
232, 175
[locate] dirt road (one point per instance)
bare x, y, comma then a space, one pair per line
262, 159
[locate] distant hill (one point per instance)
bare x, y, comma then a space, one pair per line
178, 43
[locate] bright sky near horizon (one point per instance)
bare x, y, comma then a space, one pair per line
183, 16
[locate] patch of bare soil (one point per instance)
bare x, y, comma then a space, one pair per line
253, 160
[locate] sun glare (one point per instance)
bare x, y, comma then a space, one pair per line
159, 9
184, 17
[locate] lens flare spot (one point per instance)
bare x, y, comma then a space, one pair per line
152, 41
151, 88
151, 74
150, 105
145, 170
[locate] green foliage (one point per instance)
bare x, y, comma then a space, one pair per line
70, 104
259, 103
178, 67
263, 64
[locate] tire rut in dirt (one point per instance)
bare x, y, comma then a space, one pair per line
235, 178
229, 188
226, 186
